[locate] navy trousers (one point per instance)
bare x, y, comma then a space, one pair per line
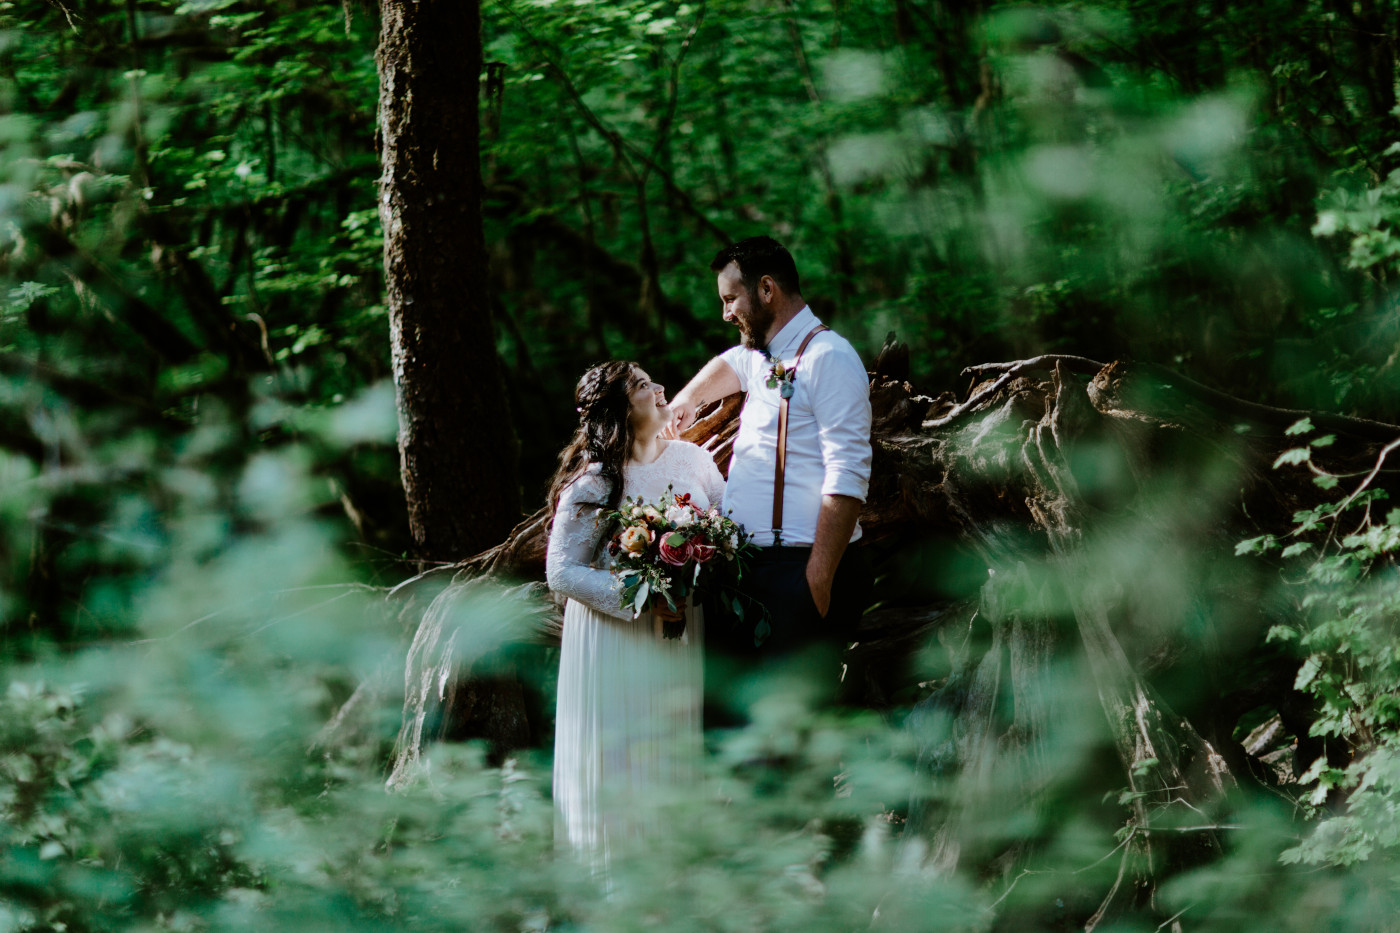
798, 635
776, 581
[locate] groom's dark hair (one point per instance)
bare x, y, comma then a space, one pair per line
759, 256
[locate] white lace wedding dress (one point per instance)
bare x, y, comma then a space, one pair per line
627, 725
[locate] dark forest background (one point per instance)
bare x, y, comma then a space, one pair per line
200, 489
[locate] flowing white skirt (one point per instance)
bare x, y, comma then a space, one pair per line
627, 728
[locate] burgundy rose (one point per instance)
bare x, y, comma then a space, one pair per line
701, 551
676, 549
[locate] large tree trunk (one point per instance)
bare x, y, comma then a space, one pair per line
456, 443
457, 448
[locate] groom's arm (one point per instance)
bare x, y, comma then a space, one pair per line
836, 521
716, 380
841, 406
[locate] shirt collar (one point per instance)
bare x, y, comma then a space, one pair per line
787, 339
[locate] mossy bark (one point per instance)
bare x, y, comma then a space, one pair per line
457, 446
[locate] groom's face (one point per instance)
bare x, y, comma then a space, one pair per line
750, 309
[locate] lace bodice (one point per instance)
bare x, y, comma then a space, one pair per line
576, 563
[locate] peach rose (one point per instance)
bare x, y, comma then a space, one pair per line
635, 540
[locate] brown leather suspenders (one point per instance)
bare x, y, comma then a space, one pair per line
780, 465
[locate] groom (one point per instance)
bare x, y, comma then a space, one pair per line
804, 434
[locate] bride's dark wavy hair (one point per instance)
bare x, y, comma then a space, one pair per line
604, 434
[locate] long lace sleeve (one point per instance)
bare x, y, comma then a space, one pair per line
573, 540
711, 480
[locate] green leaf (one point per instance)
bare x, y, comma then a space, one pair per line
1299, 427
761, 631
1255, 545
25, 294
1314, 770
1296, 455
1325, 481
203, 6
233, 21
1325, 440
1308, 672
1293, 550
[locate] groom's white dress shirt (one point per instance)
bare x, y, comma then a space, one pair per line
828, 448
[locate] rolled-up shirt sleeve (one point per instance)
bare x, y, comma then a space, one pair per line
841, 406
738, 360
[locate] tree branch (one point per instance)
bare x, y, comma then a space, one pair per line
625, 151
119, 303
1009, 371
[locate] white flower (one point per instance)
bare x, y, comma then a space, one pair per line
680, 515
635, 540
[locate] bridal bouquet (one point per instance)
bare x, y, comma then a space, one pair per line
670, 550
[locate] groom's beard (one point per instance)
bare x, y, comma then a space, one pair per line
753, 327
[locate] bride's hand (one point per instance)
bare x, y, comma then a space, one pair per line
666, 614
661, 614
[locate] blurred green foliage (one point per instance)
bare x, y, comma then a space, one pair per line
1343, 559
200, 488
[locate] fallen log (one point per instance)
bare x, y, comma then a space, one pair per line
1094, 511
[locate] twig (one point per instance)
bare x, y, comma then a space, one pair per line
1337, 514
663, 126
1026, 871
1079, 364
270, 623
650, 296
1362, 427
261, 596
1099, 914
441, 566
1380, 459
67, 13
822, 158
1174, 917
1011, 371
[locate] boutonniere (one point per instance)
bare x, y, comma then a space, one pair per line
780, 377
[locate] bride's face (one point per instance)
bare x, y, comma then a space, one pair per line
649, 412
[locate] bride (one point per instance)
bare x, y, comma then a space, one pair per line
627, 725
